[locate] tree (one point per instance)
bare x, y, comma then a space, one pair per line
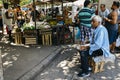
95, 1
0, 1
24, 2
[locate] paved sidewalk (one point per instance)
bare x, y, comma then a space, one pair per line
66, 66
24, 62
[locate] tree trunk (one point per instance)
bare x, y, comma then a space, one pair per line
94, 1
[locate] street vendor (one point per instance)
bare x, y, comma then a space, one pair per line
20, 16
99, 43
66, 12
35, 15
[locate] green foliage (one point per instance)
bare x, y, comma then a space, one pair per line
95, 1
27, 26
0, 1
24, 2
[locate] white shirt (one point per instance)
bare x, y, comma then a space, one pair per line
6, 21
74, 12
104, 14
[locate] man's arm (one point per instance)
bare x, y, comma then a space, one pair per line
98, 41
114, 18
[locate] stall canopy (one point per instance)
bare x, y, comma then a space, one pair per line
57, 0
18, 1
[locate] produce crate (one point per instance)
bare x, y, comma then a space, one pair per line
30, 40
18, 38
30, 33
30, 36
46, 36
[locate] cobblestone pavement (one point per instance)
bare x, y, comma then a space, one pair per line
66, 66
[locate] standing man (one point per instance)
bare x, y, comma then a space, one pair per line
34, 15
103, 12
84, 16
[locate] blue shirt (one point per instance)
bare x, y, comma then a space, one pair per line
85, 15
100, 40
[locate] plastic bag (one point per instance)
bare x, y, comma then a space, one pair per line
118, 41
77, 36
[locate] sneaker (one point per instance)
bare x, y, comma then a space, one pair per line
90, 69
83, 75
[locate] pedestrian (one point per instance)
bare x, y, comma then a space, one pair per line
8, 15
98, 43
34, 14
84, 16
20, 17
103, 12
111, 23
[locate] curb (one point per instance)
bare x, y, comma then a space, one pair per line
38, 68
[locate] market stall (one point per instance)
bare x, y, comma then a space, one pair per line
61, 24
54, 29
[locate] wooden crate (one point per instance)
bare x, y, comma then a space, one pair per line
46, 36
30, 33
30, 36
18, 38
30, 40
96, 66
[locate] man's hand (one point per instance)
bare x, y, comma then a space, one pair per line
82, 47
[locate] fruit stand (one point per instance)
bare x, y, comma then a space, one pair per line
51, 31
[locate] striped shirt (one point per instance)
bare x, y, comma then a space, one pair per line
85, 15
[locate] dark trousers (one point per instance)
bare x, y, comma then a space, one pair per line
10, 37
84, 60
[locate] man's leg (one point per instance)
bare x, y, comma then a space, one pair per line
82, 36
84, 63
84, 60
89, 32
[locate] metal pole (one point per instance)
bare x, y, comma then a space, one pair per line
1, 68
46, 9
52, 8
63, 13
34, 6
